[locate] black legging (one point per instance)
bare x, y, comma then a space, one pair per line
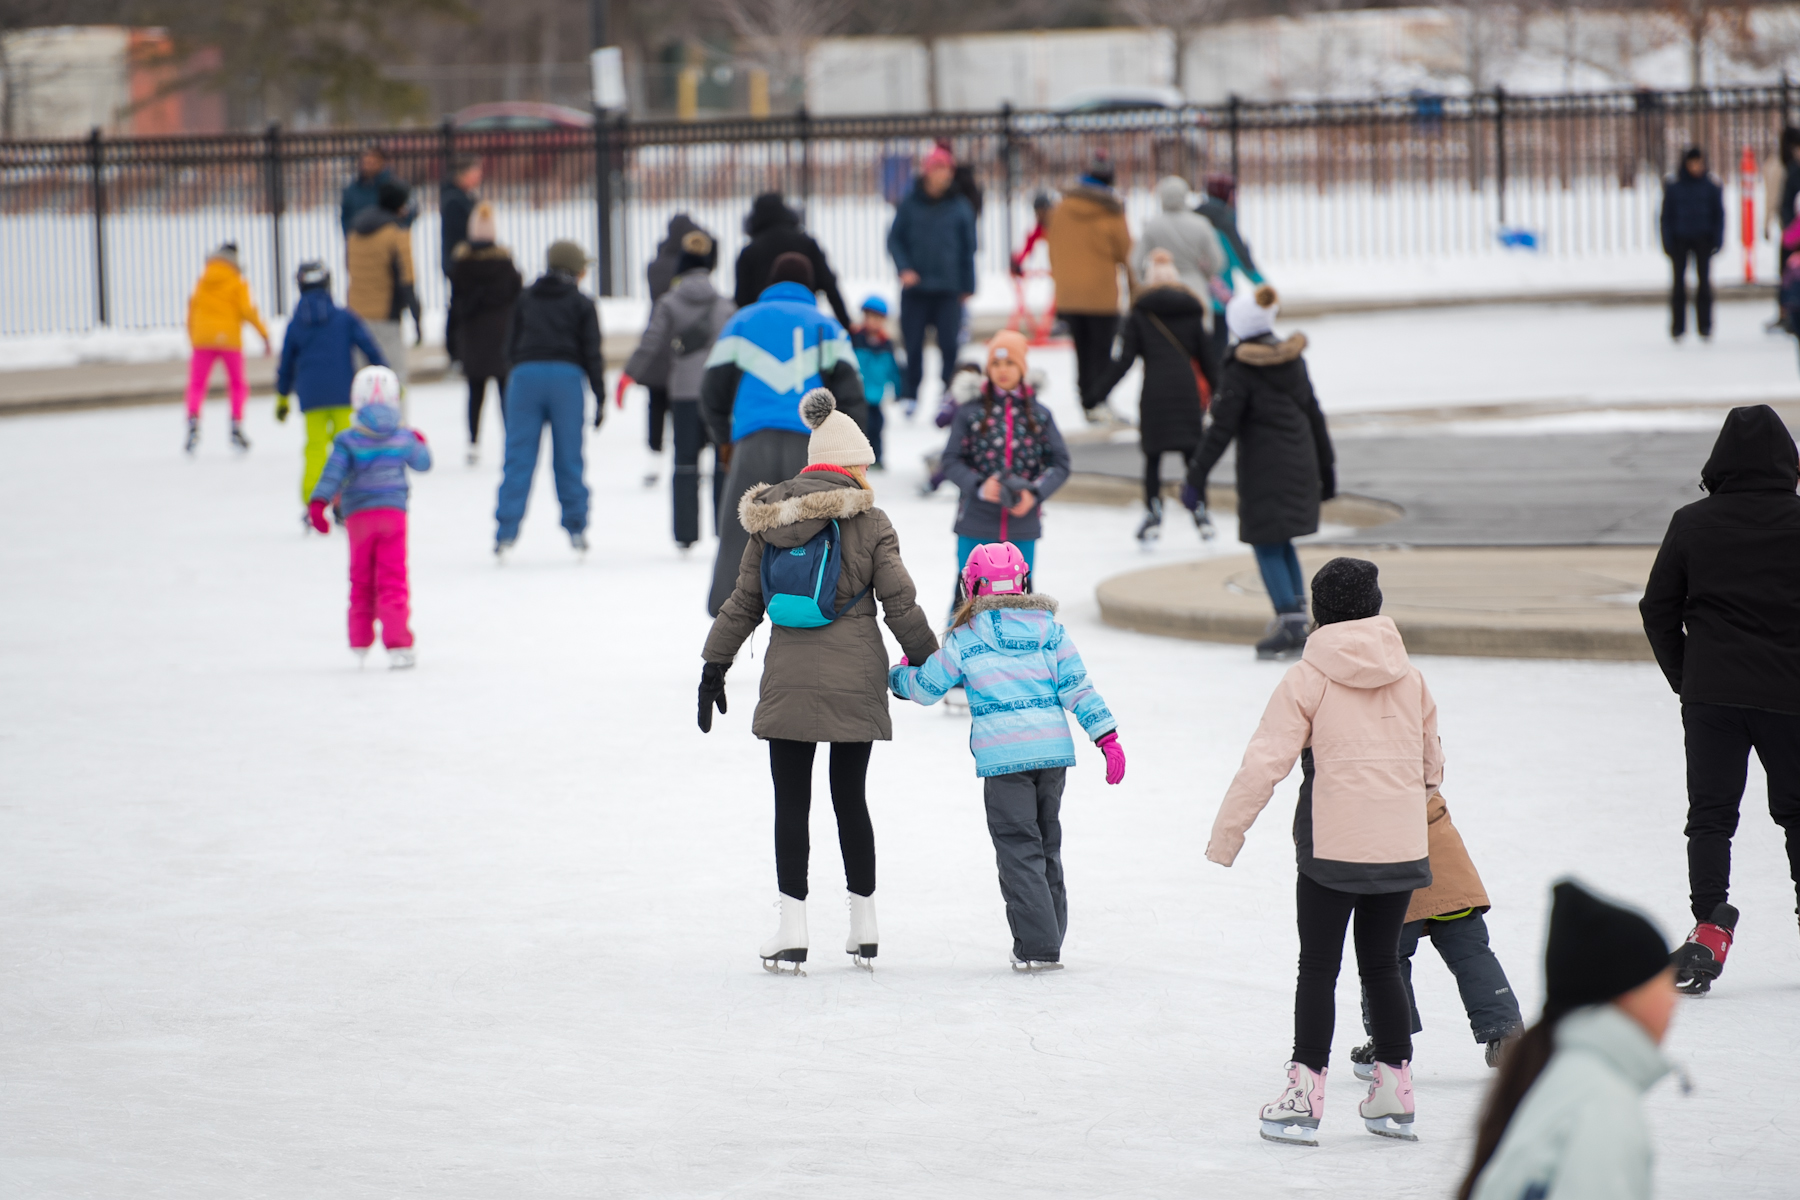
478, 393
791, 764
1323, 913
1153, 473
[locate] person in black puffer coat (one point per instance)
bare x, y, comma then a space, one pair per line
774, 230
1693, 225
1167, 329
484, 286
1285, 464
1722, 612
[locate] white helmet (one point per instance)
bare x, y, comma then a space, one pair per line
375, 385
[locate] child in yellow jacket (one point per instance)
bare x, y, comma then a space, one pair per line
217, 312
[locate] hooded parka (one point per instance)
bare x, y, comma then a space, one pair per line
1088, 242
1455, 884
774, 230
484, 286
1167, 329
692, 313
1189, 238
1285, 463
828, 684
1722, 605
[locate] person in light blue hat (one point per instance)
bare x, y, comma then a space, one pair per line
878, 365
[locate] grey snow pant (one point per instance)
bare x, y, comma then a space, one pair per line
1462, 943
1023, 815
766, 456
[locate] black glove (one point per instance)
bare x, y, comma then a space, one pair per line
712, 691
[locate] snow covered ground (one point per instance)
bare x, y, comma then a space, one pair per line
274, 927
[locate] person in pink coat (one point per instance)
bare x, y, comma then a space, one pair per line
1358, 716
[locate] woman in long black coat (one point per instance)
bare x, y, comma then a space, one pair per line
1167, 329
484, 286
1285, 464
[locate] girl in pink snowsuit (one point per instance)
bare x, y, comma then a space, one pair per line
366, 475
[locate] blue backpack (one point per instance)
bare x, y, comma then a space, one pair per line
799, 585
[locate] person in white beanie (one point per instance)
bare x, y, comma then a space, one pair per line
820, 556
1286, 467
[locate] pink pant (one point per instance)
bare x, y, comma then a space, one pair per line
378, 577
200, 369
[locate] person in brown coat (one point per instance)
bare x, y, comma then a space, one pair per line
827, 682
379, 254
1089, 243
1449, 912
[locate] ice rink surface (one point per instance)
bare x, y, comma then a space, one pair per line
271, 926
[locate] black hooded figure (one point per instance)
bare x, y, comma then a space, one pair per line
774, 230
1722, 612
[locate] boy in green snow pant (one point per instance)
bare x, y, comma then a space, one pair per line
322, 427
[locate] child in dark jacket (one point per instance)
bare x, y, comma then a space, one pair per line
1021, 670
1006, 454
366, 474
317, 365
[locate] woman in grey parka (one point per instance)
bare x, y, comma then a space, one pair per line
822, 684
1564, 1120
684, 323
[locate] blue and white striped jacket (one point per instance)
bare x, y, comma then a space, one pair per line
785, 347
369, 460
1020, 670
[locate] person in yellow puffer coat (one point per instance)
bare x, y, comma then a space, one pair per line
217, 312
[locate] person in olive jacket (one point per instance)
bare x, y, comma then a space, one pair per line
825, 683
553, 345
1167, 329
1285, 464
1722, 612
1693, 226
484, 286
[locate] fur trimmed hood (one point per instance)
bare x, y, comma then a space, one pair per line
985, 603
1270, 354
781, 512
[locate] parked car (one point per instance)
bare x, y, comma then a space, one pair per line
520, 114
1121, 98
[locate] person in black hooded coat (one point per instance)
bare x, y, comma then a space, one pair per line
774, 230
1722, 612
1167, 329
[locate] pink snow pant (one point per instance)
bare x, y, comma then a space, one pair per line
378, 577
200, 369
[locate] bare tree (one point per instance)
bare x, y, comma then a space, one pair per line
1724, 26
1182, 18
1481, 38
779, 32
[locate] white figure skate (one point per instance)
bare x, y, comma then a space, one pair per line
863, 940
1293, 1120
784, 952
1388, 1112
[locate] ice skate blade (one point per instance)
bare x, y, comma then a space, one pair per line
1290, 1133
1401, 1129
1699, 986
1035, 966
1364, 1071
785, 962
862, 956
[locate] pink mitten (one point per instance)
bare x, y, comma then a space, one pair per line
316, 511
1115, 756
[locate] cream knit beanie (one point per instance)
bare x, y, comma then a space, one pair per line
836, 441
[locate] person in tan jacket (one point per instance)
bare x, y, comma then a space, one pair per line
379, 254
1089, 243
1359, 717
821, 682
1449, 912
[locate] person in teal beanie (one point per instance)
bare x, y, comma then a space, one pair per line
877, 364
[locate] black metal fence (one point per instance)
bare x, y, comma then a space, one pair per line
113, 232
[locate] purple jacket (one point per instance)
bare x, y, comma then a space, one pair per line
368, 462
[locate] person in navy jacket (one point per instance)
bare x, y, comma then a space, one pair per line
932, 243
1693, 225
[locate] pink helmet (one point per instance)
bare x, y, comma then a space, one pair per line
995, 568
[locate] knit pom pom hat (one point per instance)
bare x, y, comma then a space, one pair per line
482, 227
836, 440
1009, 345
1252, 314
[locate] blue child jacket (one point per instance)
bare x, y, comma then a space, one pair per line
316, 363
368, 462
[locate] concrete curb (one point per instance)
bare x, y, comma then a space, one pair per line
1563, 602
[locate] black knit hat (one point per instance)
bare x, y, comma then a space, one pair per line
1346, 589
1596, 950
791, 267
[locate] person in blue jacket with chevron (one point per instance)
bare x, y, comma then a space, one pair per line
769, 355
317, 366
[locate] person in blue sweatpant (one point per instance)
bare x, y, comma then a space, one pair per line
553, 344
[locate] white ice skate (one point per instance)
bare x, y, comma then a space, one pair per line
862, 942
579, 543
239, 442
193, 435
1388, 1112
362, 656
1032, 966
502, 552
784, 952
1293, 1120
473, 456
402, 658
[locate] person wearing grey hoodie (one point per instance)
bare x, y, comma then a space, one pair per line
1565, 1118
1189, 238
684, 324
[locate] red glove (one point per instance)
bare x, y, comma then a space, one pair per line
1115, 756
625, 381
316, 511
420, 436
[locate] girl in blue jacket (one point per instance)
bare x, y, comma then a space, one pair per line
1021, 670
